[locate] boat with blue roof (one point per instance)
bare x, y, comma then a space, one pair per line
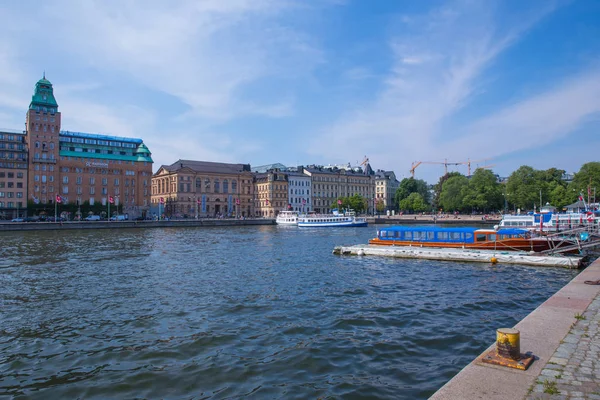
511, 239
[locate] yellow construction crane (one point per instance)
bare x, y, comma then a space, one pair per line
365, 162
415, 164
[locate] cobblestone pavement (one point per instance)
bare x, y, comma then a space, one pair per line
573, 372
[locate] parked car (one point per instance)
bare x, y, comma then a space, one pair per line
92, 218
118, 218
19, 219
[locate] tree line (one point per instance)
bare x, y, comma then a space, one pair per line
482, 192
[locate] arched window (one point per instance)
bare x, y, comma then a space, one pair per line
217, 185
37, 145
225, 186
234, 186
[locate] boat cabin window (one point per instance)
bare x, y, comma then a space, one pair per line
492, 237
481, 237
419, 235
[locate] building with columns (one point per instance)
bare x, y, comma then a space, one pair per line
84, 169
195, 189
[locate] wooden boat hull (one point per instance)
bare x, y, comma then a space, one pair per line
534, 245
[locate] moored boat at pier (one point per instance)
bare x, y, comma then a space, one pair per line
286, 217
345, 219
550, 222
471, 238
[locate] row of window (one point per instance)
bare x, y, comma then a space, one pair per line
11, 146
79, 180
11, 185
37, 118
69, 158
11, 138
44, 156
43, 144
10, 174
18, 195
299, 183
12, 156
99, 142
44, 128
11, 204
299, 191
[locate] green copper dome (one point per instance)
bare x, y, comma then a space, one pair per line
142, 153
43, 96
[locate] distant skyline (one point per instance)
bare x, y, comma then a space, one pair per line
318, 82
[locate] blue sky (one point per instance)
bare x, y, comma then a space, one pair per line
318, 82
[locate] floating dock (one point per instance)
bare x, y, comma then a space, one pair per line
463, 255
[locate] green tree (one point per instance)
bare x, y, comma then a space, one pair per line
522, 187
451, 195
414, 202
356, 203
483, 192
379, 205
588, 178
437, 188
409, 186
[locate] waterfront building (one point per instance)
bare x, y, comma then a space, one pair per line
300, 190
95, 168
194, 189
271, 190
331, 183
82, 169
13, 173
386, 185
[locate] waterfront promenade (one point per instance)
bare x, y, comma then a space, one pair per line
563, 334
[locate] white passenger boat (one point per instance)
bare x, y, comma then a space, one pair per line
550, 222
346, 219
287, 218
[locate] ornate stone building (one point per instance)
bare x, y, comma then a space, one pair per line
194, 189
331, 183
271, 190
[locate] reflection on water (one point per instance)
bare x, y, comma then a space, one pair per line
257, 312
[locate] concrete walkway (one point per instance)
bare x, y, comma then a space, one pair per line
563, 334
573, 372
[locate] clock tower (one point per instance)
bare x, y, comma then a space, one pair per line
42, 126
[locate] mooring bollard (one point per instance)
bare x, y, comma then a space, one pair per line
508, 350
508, 343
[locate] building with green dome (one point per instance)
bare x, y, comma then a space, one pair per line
86, 170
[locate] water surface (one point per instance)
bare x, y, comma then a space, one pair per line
243, 312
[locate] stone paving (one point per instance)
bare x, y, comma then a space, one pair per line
573, 372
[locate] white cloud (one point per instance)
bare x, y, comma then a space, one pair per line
201, 52
535, 121
438, 59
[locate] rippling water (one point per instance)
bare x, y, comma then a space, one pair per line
246, 312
